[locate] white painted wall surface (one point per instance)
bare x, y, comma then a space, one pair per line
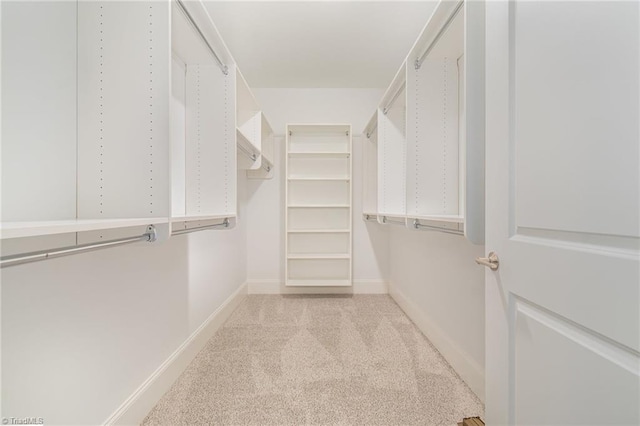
435, 280
266, 198
282, 106
81, 333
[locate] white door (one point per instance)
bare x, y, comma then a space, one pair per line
563, 194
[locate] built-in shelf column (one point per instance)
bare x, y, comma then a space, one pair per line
318, 205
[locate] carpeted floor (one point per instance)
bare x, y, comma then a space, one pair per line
334, 360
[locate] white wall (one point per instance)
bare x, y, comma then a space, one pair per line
81, 333
266, 198
434, 278
283, 106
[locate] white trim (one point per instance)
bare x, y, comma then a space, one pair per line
468, 369
135, 408
278, 287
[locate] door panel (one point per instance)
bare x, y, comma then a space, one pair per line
565, 374
563, 197
575, 113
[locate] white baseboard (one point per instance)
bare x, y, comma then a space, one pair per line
278, 287
138, 405
468, 369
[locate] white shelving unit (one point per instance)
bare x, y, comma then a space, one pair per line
203, 105
428, 132
85, 136
119, 130
217, 126
318, 205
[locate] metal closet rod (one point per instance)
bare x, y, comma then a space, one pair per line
418, 225
393, 222
224, 224
386, 109
250, 154
370, 132
35, 256
223, 67
418, 62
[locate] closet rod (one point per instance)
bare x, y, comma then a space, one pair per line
386, 109
393, 222
418, 225
35, 256
370, 217
224, 224
370, 132
251, 155
418, 62
223, 67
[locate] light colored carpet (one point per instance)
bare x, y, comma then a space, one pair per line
334, 360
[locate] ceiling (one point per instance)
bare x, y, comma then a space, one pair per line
295, 44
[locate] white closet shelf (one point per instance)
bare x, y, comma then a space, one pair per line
319, 154
319, 206
319, 283
346, 179
318, 256
40, 228
318, 231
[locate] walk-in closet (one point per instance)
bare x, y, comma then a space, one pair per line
221, 212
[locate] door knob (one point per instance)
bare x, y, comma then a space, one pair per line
492, 261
